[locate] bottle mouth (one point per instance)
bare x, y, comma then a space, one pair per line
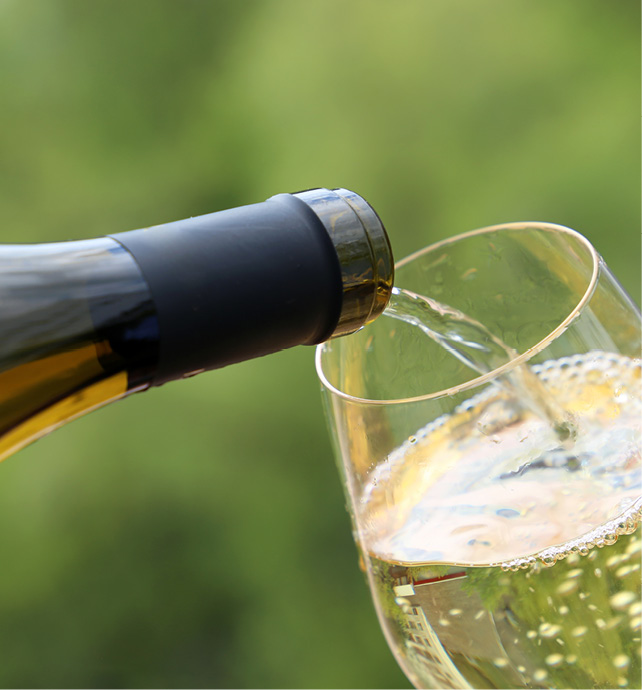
363, 250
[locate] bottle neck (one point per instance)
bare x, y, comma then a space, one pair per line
169, 301
246, 282
87, 322
238, 284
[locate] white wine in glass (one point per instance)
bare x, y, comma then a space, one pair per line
493, 471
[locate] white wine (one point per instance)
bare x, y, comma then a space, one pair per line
576, 624
472, 343
498, 557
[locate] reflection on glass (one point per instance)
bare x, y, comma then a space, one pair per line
499, 551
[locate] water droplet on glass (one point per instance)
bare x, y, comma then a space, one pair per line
554, 659
624, 571
635, 609
567, 587
622, 600
615, 560
621, 661
613, 623
549, 629
634, 547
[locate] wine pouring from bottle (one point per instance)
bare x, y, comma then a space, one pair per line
88, 322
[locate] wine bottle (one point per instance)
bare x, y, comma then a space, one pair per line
88, 322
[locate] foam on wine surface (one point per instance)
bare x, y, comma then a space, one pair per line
488, 484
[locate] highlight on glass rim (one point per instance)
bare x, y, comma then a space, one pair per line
372, 348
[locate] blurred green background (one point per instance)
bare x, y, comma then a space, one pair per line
196, 536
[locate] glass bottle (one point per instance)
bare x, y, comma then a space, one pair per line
88, 322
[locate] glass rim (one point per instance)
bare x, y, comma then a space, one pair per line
511, 364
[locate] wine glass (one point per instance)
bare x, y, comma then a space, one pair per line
496, 509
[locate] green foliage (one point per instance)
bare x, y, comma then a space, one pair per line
195, 536
488, 584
